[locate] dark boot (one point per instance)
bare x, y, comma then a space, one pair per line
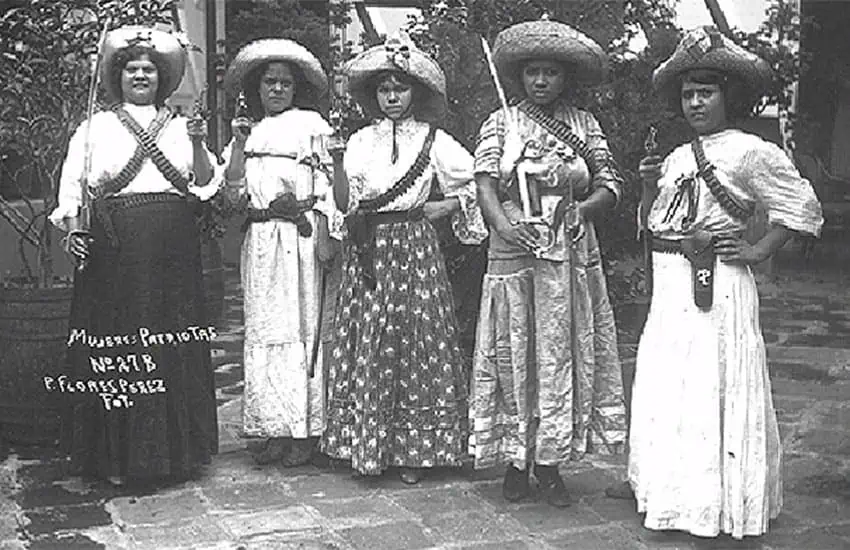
552, 486
515, 486
620, 491
300, 452
411, 476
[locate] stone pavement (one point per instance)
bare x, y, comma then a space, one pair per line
236, 504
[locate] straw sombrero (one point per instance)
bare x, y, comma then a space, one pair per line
399, 54
547, 39
706, 48
275, 49
164, 43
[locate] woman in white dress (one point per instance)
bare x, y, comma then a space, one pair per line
704, 444
276, 163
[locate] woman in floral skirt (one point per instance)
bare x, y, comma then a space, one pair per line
397, 390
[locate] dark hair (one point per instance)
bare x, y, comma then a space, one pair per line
305, 97
738, 99
131, 53
419, 91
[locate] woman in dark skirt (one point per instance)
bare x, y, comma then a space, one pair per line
140, 382
397, 383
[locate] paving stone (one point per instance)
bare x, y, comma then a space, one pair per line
426, 502
287, 542
815, 539
69, 541
270, 520
539, 517
332, 485
159, 508
816, 511
185, 533
827, 441
65, 518
359, 511
473, 526
405, 535
56, 495
248, 496
613, 509
589, 482
606, 538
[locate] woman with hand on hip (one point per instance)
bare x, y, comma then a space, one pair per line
546, 384
704, 445
277, 164
138, 327
397, 386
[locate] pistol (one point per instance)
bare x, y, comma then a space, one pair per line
650, 144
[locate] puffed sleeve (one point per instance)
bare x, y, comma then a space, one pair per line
323, 181
488, 149
357, 152
605, 172
453, 168
70, 195
788, 197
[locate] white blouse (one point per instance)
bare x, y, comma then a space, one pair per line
371, 172
112, 146
284, 145
752, 170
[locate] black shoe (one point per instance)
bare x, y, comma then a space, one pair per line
621, 491
411, 476
515, 486
552, 486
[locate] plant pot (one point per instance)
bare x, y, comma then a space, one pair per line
212, 266
33, 334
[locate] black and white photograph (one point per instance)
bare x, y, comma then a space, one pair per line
424, 274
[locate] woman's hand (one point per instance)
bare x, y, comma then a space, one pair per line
519, 234
734, 249
196, 127
435, 210
650, 170
241, 128
336, 147
77, 245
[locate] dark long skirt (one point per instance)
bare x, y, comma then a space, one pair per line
397, 390
139, 346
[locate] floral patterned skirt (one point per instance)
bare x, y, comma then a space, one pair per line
397, 385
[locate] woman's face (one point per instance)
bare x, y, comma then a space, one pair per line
277, 88
704, 107
543, 80
395, 97
139, 81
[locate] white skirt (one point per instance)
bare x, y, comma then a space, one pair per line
704, 442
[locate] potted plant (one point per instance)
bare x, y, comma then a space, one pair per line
45, 73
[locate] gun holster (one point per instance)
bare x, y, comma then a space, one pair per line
698, 248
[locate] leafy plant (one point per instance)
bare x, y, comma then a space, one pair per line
45, 68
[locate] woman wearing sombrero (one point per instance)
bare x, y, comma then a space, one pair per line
144, 406
546, 375
397, 385
277, 163
704, 445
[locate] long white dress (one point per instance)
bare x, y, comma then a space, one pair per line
281, 280
705, 455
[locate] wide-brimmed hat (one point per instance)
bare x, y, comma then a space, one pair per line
706, 48
167, 45
397, 54
552, 40
268, 50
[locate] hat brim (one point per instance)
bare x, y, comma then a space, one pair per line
583, 57
725, 57
165, 44
362, 69
268, 50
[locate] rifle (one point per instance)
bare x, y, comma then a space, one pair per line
84, 227
650, 146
